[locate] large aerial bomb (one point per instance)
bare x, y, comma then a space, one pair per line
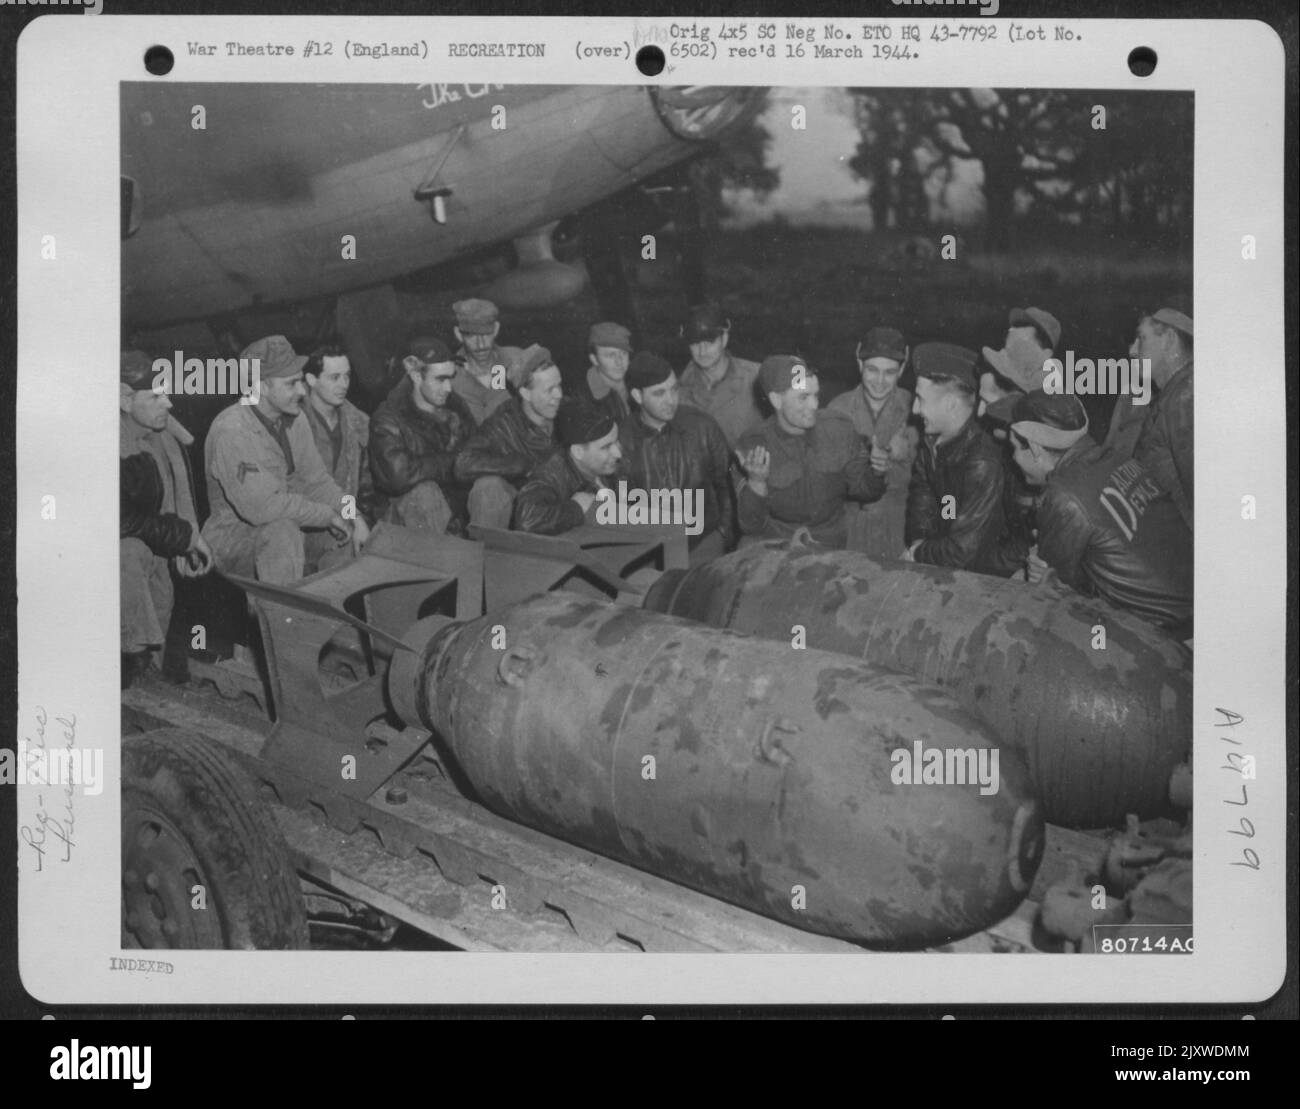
1098, 701
828, 793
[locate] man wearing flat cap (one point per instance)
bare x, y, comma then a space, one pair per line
667, 445
609, 348
881, 413
561, 492
415, 436
1033, 335
1164, 447
482, 367
1105, 528
275, 511
158, 530
955, 513
715, 381
497, 459
802, 467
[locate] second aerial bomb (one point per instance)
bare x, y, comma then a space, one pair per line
761, 775
1102, 720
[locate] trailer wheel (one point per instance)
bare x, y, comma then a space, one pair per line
203, 863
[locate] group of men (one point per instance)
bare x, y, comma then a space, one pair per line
981, 470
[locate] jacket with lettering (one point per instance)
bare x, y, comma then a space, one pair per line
963, 532
545, 505
732, 402
507, 445
688, 452
1165, 446
1109, 530
409, 446
248, 477
351, 471
810, 479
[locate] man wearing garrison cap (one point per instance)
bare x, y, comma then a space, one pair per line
561, 492
415, 435
482, 367
801, 466
715, 380
497, 459
667, 445
955, 514
609, 348
1105, 528
158, 527
1164, 446
275, 510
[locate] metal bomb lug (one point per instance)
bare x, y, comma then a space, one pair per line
750, 771
1101, 729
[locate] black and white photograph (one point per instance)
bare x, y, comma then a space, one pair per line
462, 424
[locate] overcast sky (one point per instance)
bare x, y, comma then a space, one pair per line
817, 186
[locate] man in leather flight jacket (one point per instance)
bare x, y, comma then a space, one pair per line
668, 446
497, 459
415, 435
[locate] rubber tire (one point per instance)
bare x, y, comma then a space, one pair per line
226, 826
